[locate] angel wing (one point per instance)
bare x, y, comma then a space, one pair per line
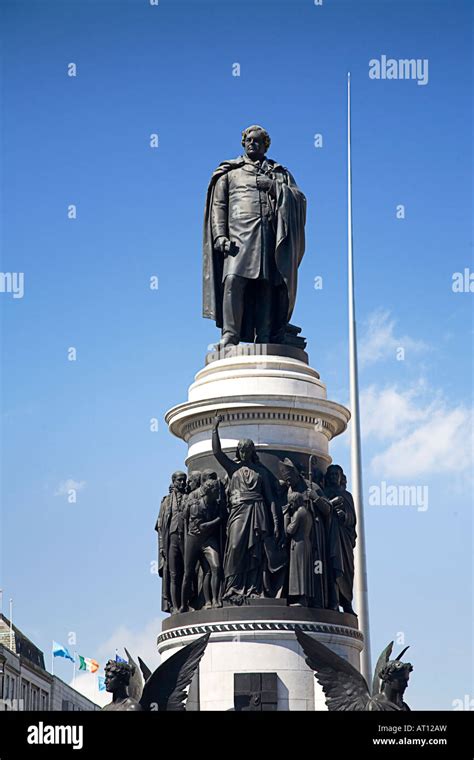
166, 686
381, 662
145, 669
135, 687
344, 687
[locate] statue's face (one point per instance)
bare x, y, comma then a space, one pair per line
333, 476
404, 675
254, 145
291, 479
211, 489
179, 482
112, 681
399, 675
194, 481
208, 475
245, 451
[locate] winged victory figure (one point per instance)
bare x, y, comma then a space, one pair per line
164, 690
346, 689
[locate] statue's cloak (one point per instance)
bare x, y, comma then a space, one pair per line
289, 207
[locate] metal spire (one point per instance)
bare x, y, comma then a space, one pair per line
360, 579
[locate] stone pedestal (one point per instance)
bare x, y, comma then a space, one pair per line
264, 392
259, 638
270, 394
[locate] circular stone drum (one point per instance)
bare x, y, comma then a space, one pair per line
253, 649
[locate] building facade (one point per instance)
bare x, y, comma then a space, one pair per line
25, 684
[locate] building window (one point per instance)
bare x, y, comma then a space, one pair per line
24, 695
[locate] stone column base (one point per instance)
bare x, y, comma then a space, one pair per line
260, 638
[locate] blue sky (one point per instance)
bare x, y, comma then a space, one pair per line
84, 140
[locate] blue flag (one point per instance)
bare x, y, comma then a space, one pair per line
60, 651
118, 658
101, 683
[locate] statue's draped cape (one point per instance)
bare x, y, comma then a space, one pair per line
290, 212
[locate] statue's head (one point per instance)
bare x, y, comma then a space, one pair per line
296, 500
395, 674
178, 480
211, 489
289, 473
194, 480
117, 674
208, 475
334, 475
256, 141
246, 450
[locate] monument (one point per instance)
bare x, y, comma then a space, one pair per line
258, 539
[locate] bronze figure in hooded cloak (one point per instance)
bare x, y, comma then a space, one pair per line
307, 528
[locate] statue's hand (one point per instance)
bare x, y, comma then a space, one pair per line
217, 419
223, 244
338, 501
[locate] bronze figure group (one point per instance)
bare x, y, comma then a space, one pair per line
251, 535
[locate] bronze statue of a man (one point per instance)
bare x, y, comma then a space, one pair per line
170, 528
253, 244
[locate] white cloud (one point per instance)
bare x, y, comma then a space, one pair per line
440, 444
379, 341
388, 413
139, 643
422, 432
69, 485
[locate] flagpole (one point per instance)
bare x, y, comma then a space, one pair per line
74, 670
52, 659
360, 580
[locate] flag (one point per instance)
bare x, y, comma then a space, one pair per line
60, 651
118, 658
101, 683
85, 663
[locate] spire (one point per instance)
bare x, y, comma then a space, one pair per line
360, 579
